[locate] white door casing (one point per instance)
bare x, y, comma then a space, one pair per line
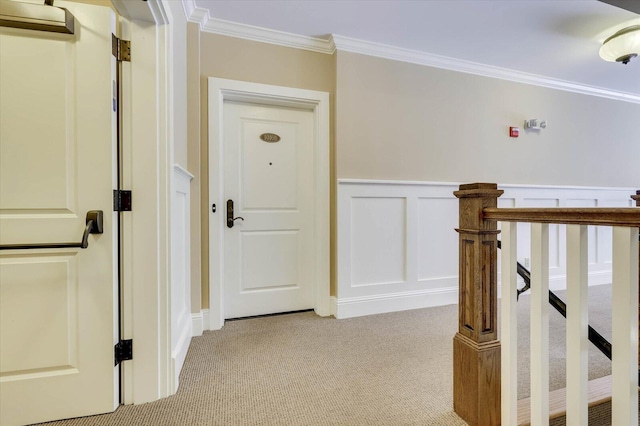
58, 307
268, 250
221, 90
147, 161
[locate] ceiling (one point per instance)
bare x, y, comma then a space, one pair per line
556, 39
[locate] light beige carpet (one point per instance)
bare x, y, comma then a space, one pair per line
300, 369
599, 318
599, 365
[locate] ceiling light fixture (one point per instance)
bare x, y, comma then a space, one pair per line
622, 46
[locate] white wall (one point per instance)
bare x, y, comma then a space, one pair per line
398, 249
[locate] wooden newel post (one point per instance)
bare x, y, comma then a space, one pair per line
476, 349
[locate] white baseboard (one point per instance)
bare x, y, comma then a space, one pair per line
200, 322
179, 354
595, 278
559, 282
205, 319
392, 302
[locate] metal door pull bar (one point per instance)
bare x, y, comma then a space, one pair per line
94, 225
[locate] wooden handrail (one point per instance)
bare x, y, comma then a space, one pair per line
476, 348
578, 216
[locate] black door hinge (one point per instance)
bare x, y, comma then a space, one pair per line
123, 351
121, 49
121, 200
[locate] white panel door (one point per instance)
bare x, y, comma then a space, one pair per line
268, 256
58, 311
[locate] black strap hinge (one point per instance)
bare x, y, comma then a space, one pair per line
123, 351
121, 200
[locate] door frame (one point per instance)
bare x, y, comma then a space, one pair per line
221, 90
147, 118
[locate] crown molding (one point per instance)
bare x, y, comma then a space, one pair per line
346, 44
208, 24
195, 14
280, 38
189, 7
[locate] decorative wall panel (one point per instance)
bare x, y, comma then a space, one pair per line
398, 248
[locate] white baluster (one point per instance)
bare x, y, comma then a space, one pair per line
509, 325
577, 325
539, 324
625, 327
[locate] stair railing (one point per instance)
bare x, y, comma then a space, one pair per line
480, 363
602, 344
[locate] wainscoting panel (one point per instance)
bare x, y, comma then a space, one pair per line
375, 223
398, 248
435, 219
181, 319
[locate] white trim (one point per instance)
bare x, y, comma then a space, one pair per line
197, 324
500, 185
200, 322
199, 16
127, 304
347, 44
182, 171
338, 42
178, 355
202, 17
318, 102
394, 182
181, 322
195, 14
206, 318
393, 302
147, 171
149, 11
190, 8
165, 196
403, 301
264, 35
559, 282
